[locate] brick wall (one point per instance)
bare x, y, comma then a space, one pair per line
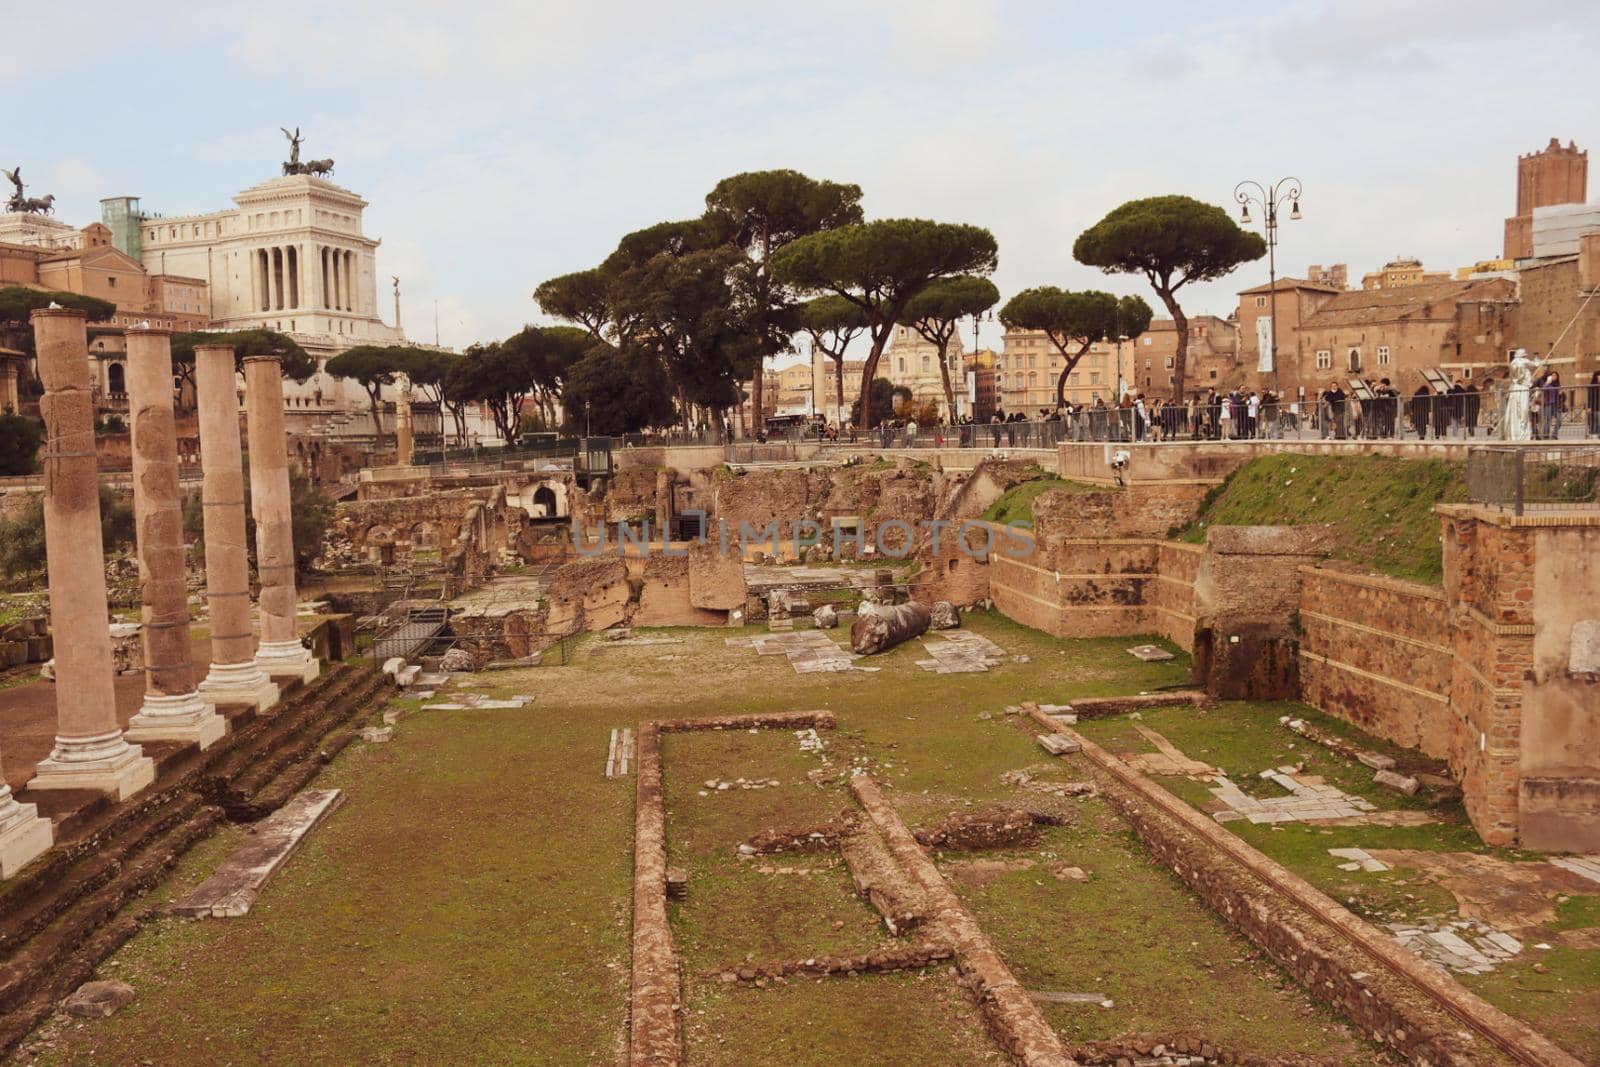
1377, 652
1170, 598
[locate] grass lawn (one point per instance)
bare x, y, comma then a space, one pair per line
471, 900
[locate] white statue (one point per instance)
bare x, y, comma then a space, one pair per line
1518, 424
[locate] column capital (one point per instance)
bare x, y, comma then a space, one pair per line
145, 330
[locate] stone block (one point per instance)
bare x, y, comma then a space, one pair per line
1585, 653
1150, 653
943, 616
1399, 782
99, 1000
1058, 744
1377, 761
716, 581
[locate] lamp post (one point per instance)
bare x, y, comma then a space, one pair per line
1270, 198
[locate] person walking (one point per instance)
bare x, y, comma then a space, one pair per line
1333, 404
1553, 399
1421, 403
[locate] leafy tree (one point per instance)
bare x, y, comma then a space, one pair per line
295, 362
22, 541
607, 392
310, 510
832, 322
17, 304
501, 379
548, 353
1171, 240
426, 368
372, 367
762, 212
884, 393
880, 267
1074, 320
582, 297
20, 438
936, 314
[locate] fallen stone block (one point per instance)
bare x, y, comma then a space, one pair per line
1150, 653
1097, 999
99, 1000
232, 889
943, 616
1058, 744
1399, 782
1376, 760
826, 617
377, 734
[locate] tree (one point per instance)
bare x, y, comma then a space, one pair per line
22, 543
581, 297
372, 367
884, 393
20, 438
832, 322
880, 266
17, 304
936, 314
310, 510
501, 379
426, 368
547, 353
1073, 321
607, 392
1171, 240
294, 361
763, 211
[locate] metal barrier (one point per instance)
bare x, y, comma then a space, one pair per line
1523, 478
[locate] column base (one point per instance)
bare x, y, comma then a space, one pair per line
238, 683
105, 764
23, 835
183, 717
288, 659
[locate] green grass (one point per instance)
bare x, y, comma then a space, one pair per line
1380, 508
1577, 912
472, 898
1016, 503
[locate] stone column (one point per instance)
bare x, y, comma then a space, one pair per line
90, 751
404, 439
23, 835
10, 394
234, 677
172, 710
281, 655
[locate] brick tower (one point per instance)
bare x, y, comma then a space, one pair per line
1555, 176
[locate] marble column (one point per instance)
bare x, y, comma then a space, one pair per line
234, 677
172, 709
404, 438
23, 834
280, 655
90, 751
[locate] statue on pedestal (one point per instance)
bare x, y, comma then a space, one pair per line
1517, 424
317, 167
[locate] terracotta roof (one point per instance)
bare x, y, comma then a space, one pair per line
1360, 306
1292, 283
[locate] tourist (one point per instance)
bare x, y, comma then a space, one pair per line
1421, 402
1552, 404
1333, 411
1252, 415
1594, 404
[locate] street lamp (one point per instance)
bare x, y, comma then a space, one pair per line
1270, 199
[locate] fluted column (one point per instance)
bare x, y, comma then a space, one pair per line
172, 709
90, 751
280, 654
234, 677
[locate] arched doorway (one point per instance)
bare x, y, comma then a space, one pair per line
544, 502
116, 379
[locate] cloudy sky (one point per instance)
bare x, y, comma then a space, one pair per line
503, 143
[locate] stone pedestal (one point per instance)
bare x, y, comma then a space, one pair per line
23, 835
404, 435
234, 677
90, 751
280, 655
172, 709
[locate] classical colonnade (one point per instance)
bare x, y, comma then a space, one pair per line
92, 751
304, 277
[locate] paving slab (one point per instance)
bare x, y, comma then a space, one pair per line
232, 889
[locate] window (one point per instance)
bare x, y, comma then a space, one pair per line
924, 364
1355, 360
1467, 373
1213, 375
1147, 363
1324, 359
1261, 301
1094, 377
1148, 341
1383, 355
1074, 377
111, 282
1169, 364
902, 363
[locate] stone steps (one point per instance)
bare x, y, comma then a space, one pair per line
68, 911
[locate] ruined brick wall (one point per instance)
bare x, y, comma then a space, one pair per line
1377, 652
1079, 587
434, 518
1170, 598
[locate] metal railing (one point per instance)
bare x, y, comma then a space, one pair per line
1521, 478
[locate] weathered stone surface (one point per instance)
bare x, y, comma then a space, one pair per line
457, 659
943, 616
1401, 783
826, 617
98, 1000
1585, 654
995, 826
716, 580
90, 751
882, 630
280, 652
232, 890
